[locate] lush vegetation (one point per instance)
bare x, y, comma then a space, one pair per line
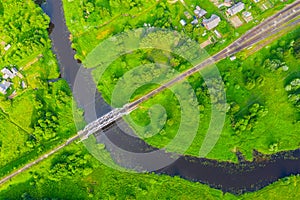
91, 21
258, 110
99, 182
255, 89
294, 94
262, 94
38, 116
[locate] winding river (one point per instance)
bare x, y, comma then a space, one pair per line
229, 177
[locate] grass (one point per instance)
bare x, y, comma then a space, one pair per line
106, 183
278, 126
88, 32
120, 81
36, 62
271, 95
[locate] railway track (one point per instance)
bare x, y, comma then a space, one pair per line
256, 34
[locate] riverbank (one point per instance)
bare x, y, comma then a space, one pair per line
136, 145
187, 167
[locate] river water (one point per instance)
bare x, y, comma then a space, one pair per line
229, 177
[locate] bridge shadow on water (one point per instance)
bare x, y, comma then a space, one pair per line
229, 177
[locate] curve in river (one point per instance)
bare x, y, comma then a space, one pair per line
229, 177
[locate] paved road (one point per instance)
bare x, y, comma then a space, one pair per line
251, 37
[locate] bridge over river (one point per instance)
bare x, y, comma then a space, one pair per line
229, 177
268, 27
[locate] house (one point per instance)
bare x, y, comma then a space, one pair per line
212, 22
217, 34
247, 16
227, 3
232, 58
182, 22
187, 15
7, 73
4, 85
23, 85
195, 21
14, 70
199, 12
7, 47
236, 8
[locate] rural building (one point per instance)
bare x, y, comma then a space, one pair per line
14, 70
183, 22
236, 8
247, 16
187, 15
199, 12
232, 58
7, 47
217, 34
23, 85
4, 85
227, 3
212, 22
195, 21
7, 73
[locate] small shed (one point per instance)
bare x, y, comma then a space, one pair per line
7, 47
182, 22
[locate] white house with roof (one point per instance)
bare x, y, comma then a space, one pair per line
227, 3
4, 85
182, 22
7, 73
7, 47
199, 12
211, 22
247, 16
236, 8
195, 21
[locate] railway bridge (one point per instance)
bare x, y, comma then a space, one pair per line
268, 27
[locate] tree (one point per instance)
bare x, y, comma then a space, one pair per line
89, 7
297, 48
1, 9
